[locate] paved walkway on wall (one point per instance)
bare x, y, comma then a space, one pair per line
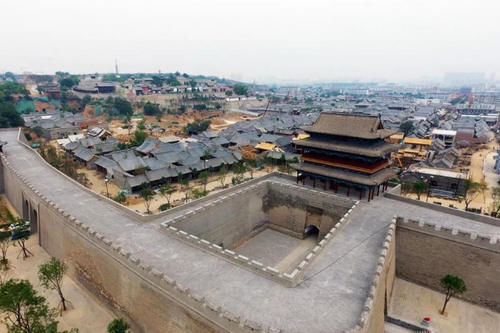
411, 303
331, 296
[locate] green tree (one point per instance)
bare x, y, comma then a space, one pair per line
197, 126
185, 185
472, 191
141, 125
127, 121
85, 100
228, 93
9, 117
118, 326
419, 188
204, 179
166, 192
25, 311
69, 82
240, 89
51, 276
21, 233
239, 169
152, 109
221, 176
120, 197
8, 89
5, 242
251, 165
147, 194
207, 154
198, 193
495, 195
123, 106
38, 131
453, 285
406, 127
157, 80
139, 137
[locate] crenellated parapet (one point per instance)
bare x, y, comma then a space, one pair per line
289, 278
376, 282
451, 233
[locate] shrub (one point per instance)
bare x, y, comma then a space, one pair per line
199, 193
164, 207
120, 197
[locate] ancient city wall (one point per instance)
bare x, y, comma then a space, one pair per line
228, 221
395, 194
291, 208
372, 319
427, 252
148, 299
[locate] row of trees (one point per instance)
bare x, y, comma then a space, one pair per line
63, 162
166, 190
9, 117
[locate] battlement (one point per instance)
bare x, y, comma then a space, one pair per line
289, 278
453, 234
376, 278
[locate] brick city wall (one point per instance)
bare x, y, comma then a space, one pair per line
150, 300
427, 252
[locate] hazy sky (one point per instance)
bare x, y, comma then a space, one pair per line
262, 40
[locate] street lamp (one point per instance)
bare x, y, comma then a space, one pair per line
106, 180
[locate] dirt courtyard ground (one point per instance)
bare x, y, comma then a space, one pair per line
84, 313
411, 303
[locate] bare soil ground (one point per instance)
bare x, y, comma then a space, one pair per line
412, 303
84, 313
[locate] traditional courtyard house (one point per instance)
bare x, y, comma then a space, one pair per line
129, 162
347, 150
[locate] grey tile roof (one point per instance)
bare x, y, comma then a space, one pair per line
128, 161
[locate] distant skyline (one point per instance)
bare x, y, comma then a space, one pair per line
254, 40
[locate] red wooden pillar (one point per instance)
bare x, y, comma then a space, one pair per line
360, 193
314, 182
369, 194
324, 184
348, 188
378, 189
